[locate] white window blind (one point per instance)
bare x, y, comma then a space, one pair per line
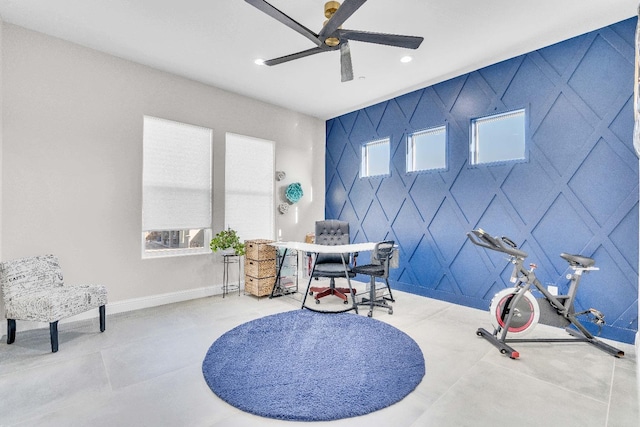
427, 149
497, 138
249, 187
375, 158
176, 177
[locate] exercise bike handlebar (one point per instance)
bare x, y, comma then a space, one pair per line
481, 238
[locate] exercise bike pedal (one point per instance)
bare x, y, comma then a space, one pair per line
599, 317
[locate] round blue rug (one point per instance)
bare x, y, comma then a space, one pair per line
307, 366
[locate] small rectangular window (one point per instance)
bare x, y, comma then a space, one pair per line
427, 150
375, 158
498, 138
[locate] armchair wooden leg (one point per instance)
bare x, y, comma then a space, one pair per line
53, 331
103, 318
11, 331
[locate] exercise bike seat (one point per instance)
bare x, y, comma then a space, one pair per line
578, 260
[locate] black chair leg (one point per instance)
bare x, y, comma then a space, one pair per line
389, 289
103, 318
53, 331
372, 295
11, 331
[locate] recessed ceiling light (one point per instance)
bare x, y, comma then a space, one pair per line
406, 59
259, 61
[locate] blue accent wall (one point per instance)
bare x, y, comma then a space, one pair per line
576, 192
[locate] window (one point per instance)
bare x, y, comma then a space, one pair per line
249, 201
176, 188
375, 158
498, 138
427, 150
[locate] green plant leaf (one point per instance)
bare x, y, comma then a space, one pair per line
227, 239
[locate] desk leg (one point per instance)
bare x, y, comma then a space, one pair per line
276, 283
351, 293
346, 273
313, 268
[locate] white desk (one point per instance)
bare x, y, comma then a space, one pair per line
327, 249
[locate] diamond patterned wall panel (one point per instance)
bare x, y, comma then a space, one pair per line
577, 190
562, 132
591, 182
604, 63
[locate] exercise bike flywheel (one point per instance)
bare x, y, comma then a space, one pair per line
526, 311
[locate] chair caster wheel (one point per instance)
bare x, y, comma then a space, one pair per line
317, 301
369, 314
345, 302
390, 311
310, 292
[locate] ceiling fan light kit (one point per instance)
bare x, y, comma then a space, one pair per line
332, 36
330, 8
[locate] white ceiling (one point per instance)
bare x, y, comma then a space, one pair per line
216, 42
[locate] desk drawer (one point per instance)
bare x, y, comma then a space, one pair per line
259, 269
259, 249
259, 287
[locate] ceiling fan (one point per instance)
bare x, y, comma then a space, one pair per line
332, 36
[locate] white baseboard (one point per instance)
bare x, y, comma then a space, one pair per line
161, 299
123, 307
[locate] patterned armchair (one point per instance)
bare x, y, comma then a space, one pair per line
33, 289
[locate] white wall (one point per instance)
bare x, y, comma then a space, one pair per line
72, 158
1, 102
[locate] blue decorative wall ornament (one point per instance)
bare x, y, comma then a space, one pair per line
294, 192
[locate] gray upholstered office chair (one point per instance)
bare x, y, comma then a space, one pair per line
34, 290
379, 267
331, 232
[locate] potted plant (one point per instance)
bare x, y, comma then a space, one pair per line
227, 241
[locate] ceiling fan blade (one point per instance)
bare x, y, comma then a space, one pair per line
285, 19
297, 55
343, 13
409, 42
346, 69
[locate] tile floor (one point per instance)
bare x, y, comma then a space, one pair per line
145, 370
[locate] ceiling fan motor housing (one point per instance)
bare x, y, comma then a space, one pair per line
330, 8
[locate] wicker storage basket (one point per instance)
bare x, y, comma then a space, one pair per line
259, 249
259, 287
260, 269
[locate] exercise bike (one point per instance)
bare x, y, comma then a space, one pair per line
515, 311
